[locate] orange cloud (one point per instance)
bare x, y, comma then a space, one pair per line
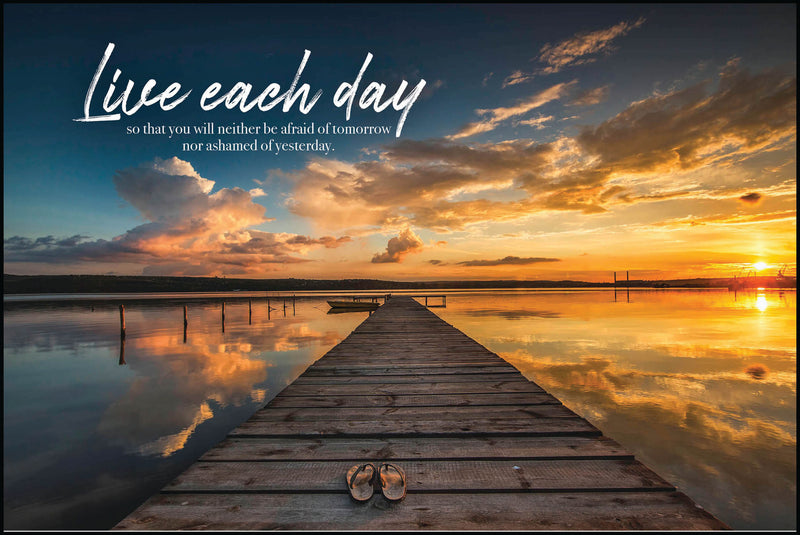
398, 247
508, 261
631, 158
576, 50
190, 230
497, 115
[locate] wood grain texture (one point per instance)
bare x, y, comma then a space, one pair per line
661, 511
413, 448
516, 475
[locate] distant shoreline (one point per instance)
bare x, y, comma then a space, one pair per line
55, 284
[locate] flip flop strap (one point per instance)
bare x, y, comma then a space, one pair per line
360, 468
402, 477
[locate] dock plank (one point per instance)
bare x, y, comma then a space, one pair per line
384, 371
413, 427
465, 511
412, 448
395, 400
416, 378
425, 476
468, 387
390, 414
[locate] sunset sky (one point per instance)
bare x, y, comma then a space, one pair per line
548, 142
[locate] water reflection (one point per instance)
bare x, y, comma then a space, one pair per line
94, 422
701, 386
761, 302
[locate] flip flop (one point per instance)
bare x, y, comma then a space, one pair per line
360, 480
393, 481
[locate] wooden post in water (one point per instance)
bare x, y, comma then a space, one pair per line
122, 351
122, 322
185, 323
284, 306
223, 316
293, 308
250, 306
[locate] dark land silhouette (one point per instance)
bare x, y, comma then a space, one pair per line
28, 284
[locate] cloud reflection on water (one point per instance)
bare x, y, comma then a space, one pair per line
701, 386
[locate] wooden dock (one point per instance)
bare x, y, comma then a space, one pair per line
482, 448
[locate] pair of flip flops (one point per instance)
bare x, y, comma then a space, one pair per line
361, 481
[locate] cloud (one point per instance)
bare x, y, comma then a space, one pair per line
636, 156
508, 261
19, 243
495, 116
751, 198
398, 247
590, 97
536, 122
691, 128
190, 229
579, 49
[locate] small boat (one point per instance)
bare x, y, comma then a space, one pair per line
354, 305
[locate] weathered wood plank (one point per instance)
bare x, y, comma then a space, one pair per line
441, 400
412, 448
385, 371
424, 476
411, 361
391, 414
404, 379
410, 388
657, 511
412, 427
421, 355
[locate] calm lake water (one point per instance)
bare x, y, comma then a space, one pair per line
699, 385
